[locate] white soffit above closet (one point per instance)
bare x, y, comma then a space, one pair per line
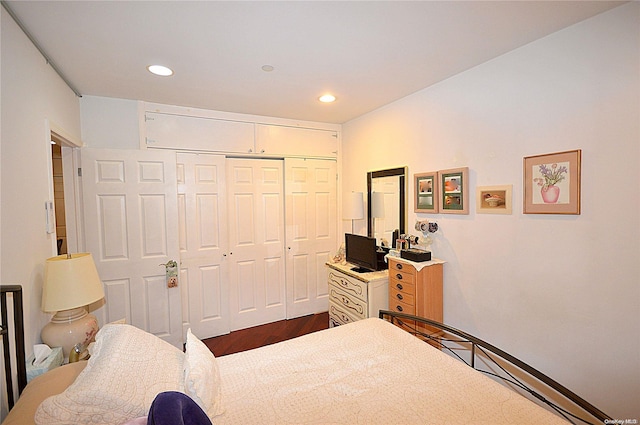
366, 53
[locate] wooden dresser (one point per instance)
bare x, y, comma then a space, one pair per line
354, 296
416, 288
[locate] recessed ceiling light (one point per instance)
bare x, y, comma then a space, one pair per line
327, 98
267, 68
163, 71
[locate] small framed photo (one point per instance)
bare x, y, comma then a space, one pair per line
552, 183
426, 189
454, 190
494, 199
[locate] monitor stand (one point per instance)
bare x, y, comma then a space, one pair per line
360, 270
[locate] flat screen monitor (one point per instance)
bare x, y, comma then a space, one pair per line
361, 252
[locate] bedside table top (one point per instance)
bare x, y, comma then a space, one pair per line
418, 266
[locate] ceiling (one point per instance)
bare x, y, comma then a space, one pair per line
366, 53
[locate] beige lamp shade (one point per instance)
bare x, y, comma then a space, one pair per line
70, 282
377, 205
353, 206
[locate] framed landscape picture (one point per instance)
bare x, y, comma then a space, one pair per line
426, 192
552, 183
454, 190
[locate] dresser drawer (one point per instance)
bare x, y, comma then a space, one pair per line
402, 286
404, 297
354, 306
402, 272
396, 305
338, 315
349, 285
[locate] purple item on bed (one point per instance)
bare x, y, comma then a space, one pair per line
175, 408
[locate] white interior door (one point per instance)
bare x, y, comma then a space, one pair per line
203, 243
310, 193
130, 213
256, 242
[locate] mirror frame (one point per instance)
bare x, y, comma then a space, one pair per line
401, 172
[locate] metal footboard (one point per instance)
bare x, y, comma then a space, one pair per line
18, 326
490, 360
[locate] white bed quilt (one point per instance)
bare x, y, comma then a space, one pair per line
367, 372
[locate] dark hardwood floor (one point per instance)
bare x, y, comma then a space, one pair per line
247, 339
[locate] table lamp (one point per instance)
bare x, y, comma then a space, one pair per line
71, 283
353, 207
377, 211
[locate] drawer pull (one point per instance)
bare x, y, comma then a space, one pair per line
399, 276
399, 307
399, 286
399, 266
399, 296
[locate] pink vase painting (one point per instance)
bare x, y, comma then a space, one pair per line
549, 177
550, 194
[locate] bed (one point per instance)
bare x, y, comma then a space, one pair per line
368, 372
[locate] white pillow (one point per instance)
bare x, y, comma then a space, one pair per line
128, 367
202, 376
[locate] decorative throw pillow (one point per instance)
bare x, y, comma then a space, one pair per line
202, 376
128, 367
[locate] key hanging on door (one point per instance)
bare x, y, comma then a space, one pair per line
171, 270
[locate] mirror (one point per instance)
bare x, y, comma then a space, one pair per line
387, 204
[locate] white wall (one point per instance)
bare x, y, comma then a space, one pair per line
33, 99
560, 292
110, 123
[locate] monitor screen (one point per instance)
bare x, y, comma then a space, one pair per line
361, 251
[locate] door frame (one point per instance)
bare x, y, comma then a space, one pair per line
72, 191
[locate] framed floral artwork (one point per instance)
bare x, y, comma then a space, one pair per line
552, 183
493, 199
426, 192
454, 190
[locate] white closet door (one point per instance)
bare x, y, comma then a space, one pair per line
256, 242
203, 242
130, 212
310, 193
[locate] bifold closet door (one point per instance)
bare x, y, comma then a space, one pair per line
131, 228
202, 218
310, 197
256, 255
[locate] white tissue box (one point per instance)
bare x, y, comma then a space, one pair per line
52, 361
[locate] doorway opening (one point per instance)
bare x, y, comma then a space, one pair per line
58, 194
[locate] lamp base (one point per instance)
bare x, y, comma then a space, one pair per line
68, 328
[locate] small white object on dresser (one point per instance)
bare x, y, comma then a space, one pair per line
354, 296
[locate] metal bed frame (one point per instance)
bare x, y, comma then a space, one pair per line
496, 363
18, 326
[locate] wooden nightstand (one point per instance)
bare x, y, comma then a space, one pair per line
416, 288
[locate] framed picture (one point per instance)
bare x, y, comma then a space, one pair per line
426, 188
552, 183
493, 199
454, 190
